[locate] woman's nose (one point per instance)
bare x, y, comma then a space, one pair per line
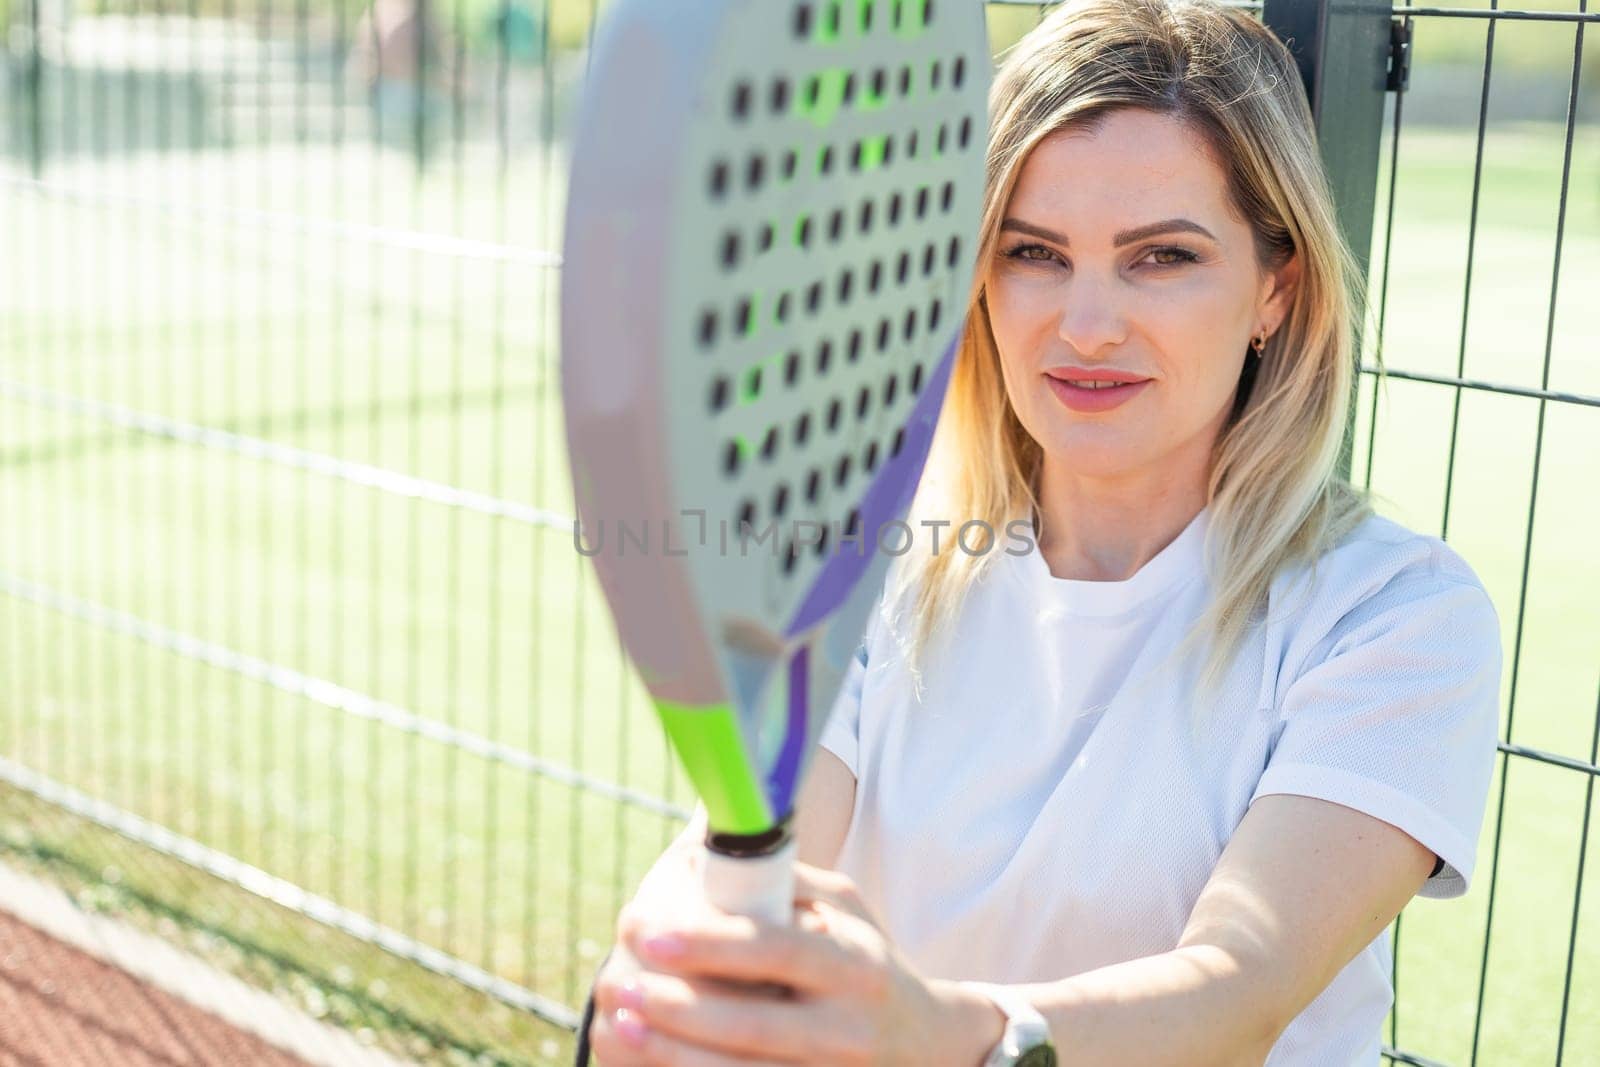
1091, 315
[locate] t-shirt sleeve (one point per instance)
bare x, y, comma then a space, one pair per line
1398, 718
841, 733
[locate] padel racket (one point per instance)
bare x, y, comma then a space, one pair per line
769, 245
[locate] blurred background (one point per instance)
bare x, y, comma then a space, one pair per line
298, 667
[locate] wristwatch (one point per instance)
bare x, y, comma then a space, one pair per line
1026, 1041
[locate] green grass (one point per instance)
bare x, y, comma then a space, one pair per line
1555, 709
394, 359
382, 999
570, 20
1520, 47
444, 370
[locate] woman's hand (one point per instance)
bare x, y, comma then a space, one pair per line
702, 993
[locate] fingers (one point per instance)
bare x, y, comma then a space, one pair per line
691, 992
689, 1010
670, 892
812, 884
623, 1039
740, 949
812, 918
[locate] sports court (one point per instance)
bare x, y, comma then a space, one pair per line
299, 668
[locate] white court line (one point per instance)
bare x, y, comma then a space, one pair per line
283, 893
286, 222
152, 960
329, 694
363, 474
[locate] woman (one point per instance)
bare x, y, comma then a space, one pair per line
1161, 784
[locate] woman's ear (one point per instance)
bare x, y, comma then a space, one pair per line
1278, 290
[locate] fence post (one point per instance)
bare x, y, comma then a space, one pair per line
1343, 48
33, 92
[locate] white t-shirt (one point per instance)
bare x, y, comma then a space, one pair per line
1046, 809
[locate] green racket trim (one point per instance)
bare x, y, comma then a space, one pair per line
872, 152
915, 18
823, 97
707, 740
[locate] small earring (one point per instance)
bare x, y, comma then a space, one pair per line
1259, 342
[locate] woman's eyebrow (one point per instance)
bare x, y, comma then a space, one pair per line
1126, 237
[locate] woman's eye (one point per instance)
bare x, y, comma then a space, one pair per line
1031, 253
1172, 257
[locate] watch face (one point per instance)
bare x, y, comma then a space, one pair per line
1040, 1056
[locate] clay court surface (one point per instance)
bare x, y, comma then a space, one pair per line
60, 1006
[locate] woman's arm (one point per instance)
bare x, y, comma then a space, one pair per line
827, 801
1302, 887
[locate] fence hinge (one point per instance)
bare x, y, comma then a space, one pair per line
1399, 56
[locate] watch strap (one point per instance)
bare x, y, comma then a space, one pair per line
1026, 1029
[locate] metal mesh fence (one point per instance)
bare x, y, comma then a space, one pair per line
295, 654
1484, 430
288, 597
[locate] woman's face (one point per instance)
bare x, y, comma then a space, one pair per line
1123, 294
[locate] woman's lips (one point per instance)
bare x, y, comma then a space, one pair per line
1096, 394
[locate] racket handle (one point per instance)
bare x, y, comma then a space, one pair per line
760, 886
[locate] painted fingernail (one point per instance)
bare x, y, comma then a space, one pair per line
630, 1027
664, 946
631, 996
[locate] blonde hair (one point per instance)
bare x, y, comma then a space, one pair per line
1275, 496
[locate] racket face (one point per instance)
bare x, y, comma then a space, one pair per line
769, 243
